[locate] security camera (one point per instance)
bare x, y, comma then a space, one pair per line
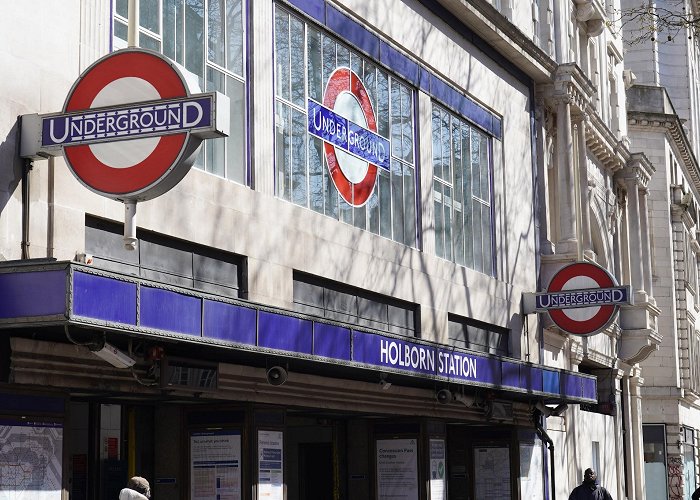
112, 355
443, 396
276, 375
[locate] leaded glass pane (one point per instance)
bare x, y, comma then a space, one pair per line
148, 42
122, 8
282, 150
194, 36
316, 172
234, 30
236, 167
382, 103
298, 139
314, 72
406, 125
296, 38
282, 56
121, 31
397, 195
173, 26
409, 218
384, 204
149, 17
439, 224
216, 32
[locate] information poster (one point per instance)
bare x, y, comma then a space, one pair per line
438, 490
492, 473
270, 470
397, 469
30, 460
531, 479
215, 465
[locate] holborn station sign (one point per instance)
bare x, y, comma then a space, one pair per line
130, 127
582, 299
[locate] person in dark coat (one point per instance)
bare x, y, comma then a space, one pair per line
696, 494
136, 489
589, 488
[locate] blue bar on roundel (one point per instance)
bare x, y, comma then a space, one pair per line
327, 125
369, 146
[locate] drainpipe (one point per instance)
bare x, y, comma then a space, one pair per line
537, 419
26, 168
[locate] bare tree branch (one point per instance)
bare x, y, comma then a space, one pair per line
650, 22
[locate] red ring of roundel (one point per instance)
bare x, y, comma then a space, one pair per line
342, 80
85, 165
602, 317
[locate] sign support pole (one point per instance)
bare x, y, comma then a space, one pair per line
130, 225
130, 206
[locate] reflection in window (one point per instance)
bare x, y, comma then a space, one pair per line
207, 39
478, 336
462, 186
305, 57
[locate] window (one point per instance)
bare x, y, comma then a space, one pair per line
655, 460
165, 260
462, 183
478, 336
206, 37
305, 59
688, 439
337, 302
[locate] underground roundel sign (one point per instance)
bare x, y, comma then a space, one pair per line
582, 298
130, 127
347, 124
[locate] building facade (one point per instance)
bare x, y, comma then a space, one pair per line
663, 123
307, 323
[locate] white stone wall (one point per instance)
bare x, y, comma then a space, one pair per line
278, 237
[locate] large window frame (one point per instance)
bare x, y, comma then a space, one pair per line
219, 63
463, 191
307, 54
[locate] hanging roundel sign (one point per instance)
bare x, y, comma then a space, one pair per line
582, 298
348, 126
131, 127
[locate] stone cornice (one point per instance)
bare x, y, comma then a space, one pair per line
610, 151
638, 168
650, 109
504, 36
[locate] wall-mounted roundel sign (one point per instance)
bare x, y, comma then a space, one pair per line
582, 298
130, 126
348, 126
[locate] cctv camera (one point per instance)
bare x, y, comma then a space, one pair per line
276, 375
112, 355
443, 396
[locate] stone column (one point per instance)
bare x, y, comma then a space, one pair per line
637, 436
646, 245
565, 186
634, 233
583, 183
628, 438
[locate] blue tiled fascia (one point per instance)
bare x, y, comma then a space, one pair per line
352, 32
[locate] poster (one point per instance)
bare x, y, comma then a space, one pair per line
492, 473
531, 478
215, 465
30, 460
438, 483
270, 465
397, 469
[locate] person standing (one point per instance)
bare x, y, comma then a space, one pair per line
136, 489
589, 488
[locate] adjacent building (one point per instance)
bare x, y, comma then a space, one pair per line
300, 319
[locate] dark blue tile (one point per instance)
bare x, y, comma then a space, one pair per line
30, 294
590, 389
332, 341
286, 333
550, 382
229, 322
352, 32
572, 385
312, 8
399, 63
103, 298
531, 378
170, 311
424, 80
496, 127
510, 374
